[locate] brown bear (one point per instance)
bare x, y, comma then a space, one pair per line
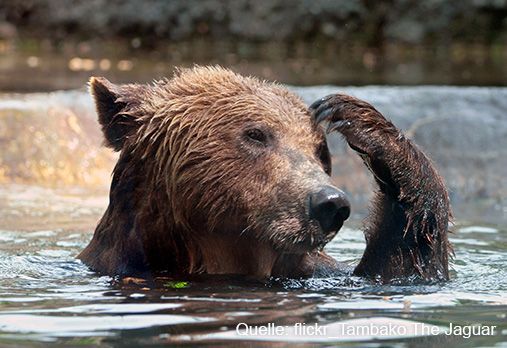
224, 174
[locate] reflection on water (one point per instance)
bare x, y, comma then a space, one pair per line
31, 68
46, 295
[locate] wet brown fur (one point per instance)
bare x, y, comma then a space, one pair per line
190, 195
406, 231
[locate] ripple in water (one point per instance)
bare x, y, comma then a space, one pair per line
48, 295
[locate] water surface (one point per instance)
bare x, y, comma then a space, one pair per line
47, 296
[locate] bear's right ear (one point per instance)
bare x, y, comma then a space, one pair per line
111, 101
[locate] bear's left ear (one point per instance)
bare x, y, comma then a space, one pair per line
111, 102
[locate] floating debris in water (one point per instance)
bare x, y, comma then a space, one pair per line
176, 285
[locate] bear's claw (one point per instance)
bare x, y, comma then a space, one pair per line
354, 119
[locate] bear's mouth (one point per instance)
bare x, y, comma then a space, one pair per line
315, 240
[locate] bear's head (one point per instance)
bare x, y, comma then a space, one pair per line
214, 167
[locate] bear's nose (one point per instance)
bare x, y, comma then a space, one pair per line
330, 207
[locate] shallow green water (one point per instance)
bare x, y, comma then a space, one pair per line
49, 297
31, 66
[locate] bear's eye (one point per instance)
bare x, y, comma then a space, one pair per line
256, 135
324, 157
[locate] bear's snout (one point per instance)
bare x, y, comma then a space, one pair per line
330, 208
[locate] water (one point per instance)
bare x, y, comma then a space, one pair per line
32, 66
47, 296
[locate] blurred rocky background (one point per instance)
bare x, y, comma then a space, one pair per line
50, 141
364, 21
